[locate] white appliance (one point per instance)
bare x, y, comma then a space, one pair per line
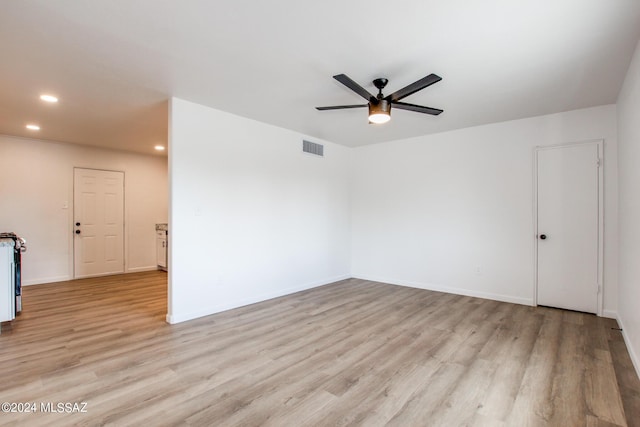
162, 241
11, 247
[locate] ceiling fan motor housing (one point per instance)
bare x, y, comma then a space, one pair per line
380, 109
380, 106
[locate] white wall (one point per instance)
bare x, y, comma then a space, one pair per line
37, 182
629, 182
252, 217
454, 211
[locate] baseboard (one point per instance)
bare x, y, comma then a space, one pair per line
140, 269
610, 314
448, 289
45, 280
627, 341
183, 317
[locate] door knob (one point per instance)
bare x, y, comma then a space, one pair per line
77, 231
543, 236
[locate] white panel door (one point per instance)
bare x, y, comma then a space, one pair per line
98, 222
568, 203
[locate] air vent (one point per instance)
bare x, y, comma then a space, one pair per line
312, 148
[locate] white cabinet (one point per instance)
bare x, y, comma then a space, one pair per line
7, 281
161, 246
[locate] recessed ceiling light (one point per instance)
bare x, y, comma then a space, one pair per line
33, 127
49, 98
159, 147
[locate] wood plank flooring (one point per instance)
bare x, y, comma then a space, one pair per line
351, 353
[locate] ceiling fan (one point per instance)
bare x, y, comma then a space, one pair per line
380, 105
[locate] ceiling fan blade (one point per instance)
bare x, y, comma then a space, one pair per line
416, 108
341, 107
342, 78
414, 87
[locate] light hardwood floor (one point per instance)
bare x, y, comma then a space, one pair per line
350, 353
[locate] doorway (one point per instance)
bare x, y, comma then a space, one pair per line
569, 226
98, 222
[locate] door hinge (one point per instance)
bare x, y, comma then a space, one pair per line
599, 289
599, 162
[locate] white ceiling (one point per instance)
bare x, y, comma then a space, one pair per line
115, 63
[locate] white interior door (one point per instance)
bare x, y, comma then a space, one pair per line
568, 226
98, 203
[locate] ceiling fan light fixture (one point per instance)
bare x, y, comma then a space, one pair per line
379, 112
